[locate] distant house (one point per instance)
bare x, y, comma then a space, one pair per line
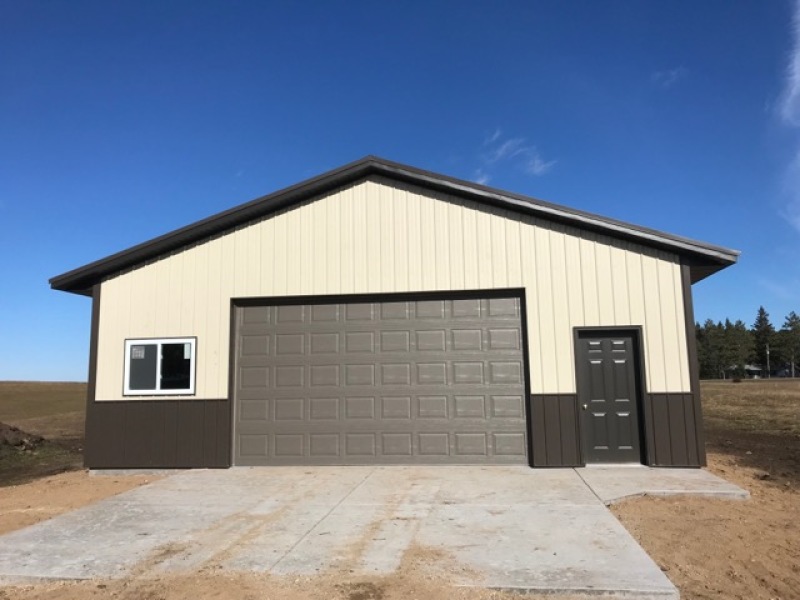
788, 370
381, 314
750, 371
759, 372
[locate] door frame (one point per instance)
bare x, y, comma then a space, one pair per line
643, 408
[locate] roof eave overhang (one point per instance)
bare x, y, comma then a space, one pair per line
704, 259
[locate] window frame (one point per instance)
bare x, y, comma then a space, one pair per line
159, 342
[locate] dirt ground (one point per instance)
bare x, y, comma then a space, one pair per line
710, 549
40, 499
723, 548
718, 549
420, 577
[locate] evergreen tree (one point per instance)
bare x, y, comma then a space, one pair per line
738, 345
705, 358
725, 348
719, 356
763, 334
789, 342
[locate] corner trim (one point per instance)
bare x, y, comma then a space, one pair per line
694, 369
91, 385
93, 338
232, 355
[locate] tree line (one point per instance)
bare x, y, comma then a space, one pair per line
736, 350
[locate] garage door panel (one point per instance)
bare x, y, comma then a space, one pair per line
324, 445
323, 409
359, 312
255, 345
396, 407
391, 311
508, 407
253, 445
504, 339
466, 309
396, 374
422, 382
360, 341
256, 314
509, 444
324, 375
325, 313
254, 377
504, 308
290, 314
289, 445
324, 343
469, 407
430, 309
253, 410
431, 340
396, 341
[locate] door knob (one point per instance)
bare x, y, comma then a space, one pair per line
585, 406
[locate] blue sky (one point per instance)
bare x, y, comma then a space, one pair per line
120, 121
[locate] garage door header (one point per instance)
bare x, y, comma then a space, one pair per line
704, 259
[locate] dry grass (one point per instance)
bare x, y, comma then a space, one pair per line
53, 410
765, 406
22, 400
757, 423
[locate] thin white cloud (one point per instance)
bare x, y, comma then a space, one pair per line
493, 137
480, 176
790, 100
507, 149
538, 166
789, 112
498, 149
668, 78
790, 211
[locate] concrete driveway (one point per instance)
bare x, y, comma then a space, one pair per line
500, 527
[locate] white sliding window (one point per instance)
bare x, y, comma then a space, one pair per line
162, 366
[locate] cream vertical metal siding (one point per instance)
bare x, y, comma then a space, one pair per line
381, 237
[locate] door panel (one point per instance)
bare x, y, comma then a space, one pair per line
608, 392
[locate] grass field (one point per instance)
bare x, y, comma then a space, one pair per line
22, 400
53, 410
767, 406
757, 421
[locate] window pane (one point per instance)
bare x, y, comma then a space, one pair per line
175, 366
142, 372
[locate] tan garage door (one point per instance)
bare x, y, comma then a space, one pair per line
413, 382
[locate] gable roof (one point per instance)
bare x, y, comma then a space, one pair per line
704, 259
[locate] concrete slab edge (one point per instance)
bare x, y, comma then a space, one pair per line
19, 580
124, 472
592, 593
718, 494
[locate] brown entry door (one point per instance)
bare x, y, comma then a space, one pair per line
608, 392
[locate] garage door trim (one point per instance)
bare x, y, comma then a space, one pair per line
492, 293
